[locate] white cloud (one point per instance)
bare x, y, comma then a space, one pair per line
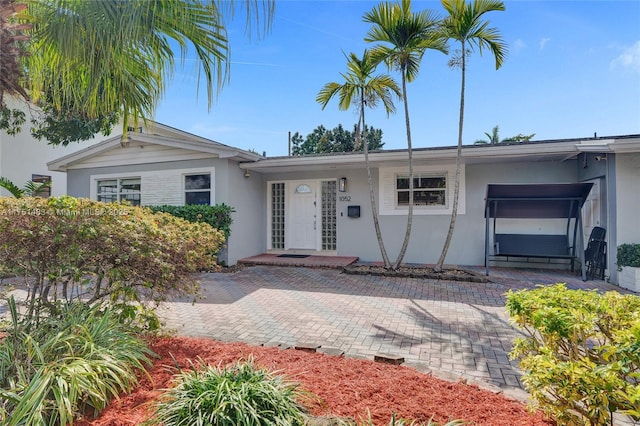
543, 42
629, 58
519, 45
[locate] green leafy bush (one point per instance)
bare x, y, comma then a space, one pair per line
581, 358
218, 216
70, 364
240, 395
628, 255
395, 421
71, 249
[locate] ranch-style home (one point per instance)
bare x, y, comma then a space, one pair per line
320, 204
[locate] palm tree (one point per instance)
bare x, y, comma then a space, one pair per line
11, 50
464, 24
405, 37
107, 56
361, 88
493, 137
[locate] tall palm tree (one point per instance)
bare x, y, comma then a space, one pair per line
11, 50
108, 56
465, 25
361, 88
405, 36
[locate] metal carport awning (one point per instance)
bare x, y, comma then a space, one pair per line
538, 201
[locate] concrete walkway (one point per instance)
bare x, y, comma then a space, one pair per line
454, 329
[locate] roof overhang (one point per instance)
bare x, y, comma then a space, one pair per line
134, 139
554, 150
473, 154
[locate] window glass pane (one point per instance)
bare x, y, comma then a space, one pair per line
303, 189
197, 197
108, 198
197, 182
107, 186
402, 182
129, 185
433, 182
134, 199
429, 198
403, 198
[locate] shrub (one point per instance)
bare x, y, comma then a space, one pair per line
581, 358
72, 249
67, 365
238, 395
628, 255
218, 216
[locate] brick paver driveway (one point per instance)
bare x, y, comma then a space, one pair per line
457, 328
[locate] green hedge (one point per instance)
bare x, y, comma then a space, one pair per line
218, 216
629, 255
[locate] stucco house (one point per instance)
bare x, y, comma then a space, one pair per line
320, 204
24, 158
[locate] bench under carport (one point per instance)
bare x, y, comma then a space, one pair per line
536, 201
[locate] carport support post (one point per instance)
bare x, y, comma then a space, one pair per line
486, 240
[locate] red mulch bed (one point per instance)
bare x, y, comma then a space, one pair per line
346, 387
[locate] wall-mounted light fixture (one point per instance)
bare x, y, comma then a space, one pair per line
247, 174
342, 184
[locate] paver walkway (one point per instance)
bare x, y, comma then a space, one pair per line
448, 327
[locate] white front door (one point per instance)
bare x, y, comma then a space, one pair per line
302, 215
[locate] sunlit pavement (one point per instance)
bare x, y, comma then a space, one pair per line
457, 330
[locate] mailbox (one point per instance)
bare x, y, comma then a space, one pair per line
353, 211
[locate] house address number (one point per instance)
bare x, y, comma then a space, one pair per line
345, 198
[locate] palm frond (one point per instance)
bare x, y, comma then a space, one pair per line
11, 187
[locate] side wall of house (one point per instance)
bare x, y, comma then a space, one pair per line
627, 203
356, 236
247, 196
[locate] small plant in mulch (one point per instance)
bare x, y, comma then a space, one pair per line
424, 272
239, 395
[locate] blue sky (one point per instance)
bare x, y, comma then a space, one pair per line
573, 69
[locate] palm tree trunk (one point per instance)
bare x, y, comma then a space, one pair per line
456, 191
407, 234
374, 210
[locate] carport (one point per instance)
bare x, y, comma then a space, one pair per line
536, 201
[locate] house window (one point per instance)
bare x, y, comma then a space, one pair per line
277, 215
329, 215
428, 190
197, 189
121, 189
43, 183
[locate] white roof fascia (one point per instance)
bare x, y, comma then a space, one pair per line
61, 164
200, 145
468, 152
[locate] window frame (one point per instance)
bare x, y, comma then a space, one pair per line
418, 176
387, 194
185, 191
119, 192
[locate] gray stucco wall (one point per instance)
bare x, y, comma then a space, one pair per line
248, 231
357, 236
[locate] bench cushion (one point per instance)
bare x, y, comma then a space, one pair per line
532, 245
